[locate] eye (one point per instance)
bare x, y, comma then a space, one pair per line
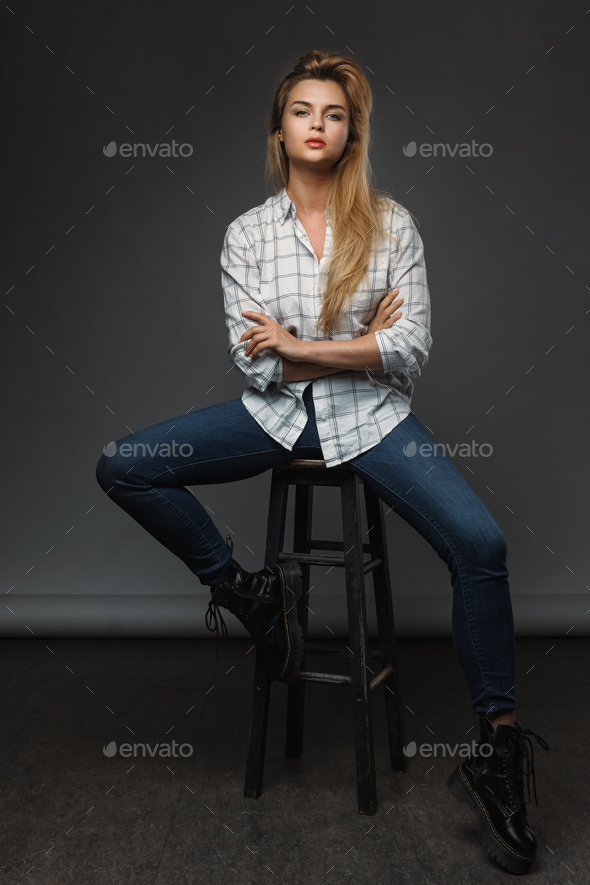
329, 115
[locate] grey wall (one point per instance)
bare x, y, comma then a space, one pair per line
114, 317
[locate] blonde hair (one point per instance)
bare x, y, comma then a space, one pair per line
356, 207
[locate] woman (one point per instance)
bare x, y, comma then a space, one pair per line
330, 351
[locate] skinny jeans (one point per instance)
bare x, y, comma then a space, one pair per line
146, 474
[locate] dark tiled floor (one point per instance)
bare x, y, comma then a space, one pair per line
71, 814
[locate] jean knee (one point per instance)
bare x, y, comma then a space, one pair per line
492, 548
111, 466
104, 472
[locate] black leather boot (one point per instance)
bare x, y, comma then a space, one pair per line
493, 787
266, 604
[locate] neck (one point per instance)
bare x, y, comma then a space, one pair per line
308, 193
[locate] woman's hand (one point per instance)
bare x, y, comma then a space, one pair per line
270, 334
388, 311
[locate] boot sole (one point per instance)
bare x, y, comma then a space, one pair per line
287, 668
506, 856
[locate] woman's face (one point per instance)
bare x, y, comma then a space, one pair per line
315, 108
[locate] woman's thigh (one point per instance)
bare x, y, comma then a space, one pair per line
216, 444
415, 478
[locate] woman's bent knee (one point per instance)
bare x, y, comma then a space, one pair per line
491, 547
112, 466
105, 474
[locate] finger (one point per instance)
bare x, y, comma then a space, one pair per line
258, 348
390, 299
253, 330
386, 309
395, 304
252, 345
384, 303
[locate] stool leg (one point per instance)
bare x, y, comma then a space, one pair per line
277, 510
357, 632
386, 628
296, 691
258, 727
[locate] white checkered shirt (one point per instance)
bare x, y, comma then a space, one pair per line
269, 265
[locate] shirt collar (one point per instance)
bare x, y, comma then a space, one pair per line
282, 205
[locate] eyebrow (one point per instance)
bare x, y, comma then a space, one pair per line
325, 108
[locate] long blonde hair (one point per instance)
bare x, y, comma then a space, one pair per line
356, 207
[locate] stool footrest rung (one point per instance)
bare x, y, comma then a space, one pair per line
314, 559
313, 649
336, 678
316, 544
342, 679
371, 564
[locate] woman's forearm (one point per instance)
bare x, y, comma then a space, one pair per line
358, 354
352, 355
305, 371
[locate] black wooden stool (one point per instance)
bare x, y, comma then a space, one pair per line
304, 475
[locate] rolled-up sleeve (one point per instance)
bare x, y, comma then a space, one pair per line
240, 279
406, 345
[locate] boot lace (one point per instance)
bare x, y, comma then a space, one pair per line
517, 753
214, 619
213, 616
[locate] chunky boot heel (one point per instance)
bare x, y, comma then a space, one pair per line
492, 786
283, 658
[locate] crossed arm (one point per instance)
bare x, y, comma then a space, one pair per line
304, 370
266, 352
304, 360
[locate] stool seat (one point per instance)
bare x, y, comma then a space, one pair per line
305, 474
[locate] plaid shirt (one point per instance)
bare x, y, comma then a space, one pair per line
268, 265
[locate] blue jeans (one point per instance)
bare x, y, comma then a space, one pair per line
146, 472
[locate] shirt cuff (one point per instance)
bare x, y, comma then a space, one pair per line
261, 371
396, 353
